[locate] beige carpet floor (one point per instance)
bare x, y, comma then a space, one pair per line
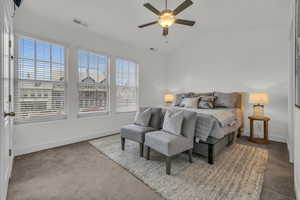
74, 172
236, 175
80, 171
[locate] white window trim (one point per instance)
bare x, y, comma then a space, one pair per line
137, 85
106, 112
66, 65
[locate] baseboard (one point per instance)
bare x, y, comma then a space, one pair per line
26, 150
291, 153
271, 138
297, 189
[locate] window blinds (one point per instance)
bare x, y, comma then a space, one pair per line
93, 82
40, 82
126, 86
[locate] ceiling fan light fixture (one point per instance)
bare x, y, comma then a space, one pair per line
167, 19
167, 16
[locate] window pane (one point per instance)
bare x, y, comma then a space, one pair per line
58, 72
93, 87
43, 71
40, 85
57, 54
83, 59
43, 51
25, 69
126, 85
26, 48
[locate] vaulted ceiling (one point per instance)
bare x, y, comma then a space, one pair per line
118, 19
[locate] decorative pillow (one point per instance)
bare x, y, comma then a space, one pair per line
173, 121
203, 94
179, 97
142, 118
226, 100
206, 102
190, 102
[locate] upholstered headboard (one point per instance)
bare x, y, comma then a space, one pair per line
241, 100
239, 103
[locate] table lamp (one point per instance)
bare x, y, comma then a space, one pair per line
168, 98
258, 100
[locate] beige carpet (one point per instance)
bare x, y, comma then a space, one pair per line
236, 175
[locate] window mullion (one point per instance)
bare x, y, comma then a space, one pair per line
51, 63
35, 61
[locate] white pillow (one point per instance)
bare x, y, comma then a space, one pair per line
173, 121
190, 102
142, 118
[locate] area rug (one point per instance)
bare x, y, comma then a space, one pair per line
236, 175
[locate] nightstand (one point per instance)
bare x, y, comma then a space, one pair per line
266, 120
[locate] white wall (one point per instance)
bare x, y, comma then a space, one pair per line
253, 59
36, 136
297, 152
294, 136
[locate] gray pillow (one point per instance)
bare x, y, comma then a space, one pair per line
226, 100
203, 94
179, 97
155, 120
206, 102
190, 102
173, 121
142, 118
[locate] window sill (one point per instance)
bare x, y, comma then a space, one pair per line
41, 119
125, 112
92, 114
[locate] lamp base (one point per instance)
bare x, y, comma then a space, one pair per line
258, 110
168, 104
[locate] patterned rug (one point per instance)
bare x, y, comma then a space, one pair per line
236, 175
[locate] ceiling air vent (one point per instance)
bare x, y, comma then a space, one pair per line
77, 21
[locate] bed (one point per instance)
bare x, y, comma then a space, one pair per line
217, 127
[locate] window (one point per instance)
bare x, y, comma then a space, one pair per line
93, 82
40, 87
126, 85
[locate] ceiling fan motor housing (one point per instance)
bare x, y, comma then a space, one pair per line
166, 18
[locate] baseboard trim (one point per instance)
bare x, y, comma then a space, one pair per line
26, 150
297, 189
291, 153
271, 138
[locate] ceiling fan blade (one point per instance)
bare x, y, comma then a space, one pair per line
183, 6
148, 24
165, 31
151, 8
185, 22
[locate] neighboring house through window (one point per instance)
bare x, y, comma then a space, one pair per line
126, 85
93, 82
40, 85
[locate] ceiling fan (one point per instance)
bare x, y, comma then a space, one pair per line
167, 16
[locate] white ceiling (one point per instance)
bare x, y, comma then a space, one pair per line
118, 19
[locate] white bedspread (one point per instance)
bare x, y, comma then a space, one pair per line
216, 122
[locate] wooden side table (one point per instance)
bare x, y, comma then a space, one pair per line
266, 120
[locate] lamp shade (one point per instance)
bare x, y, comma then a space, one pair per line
169, 97
259, 98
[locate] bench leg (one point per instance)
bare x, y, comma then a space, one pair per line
191, 155
141, 149
211, 154
168, 165
148, 153
123, 143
